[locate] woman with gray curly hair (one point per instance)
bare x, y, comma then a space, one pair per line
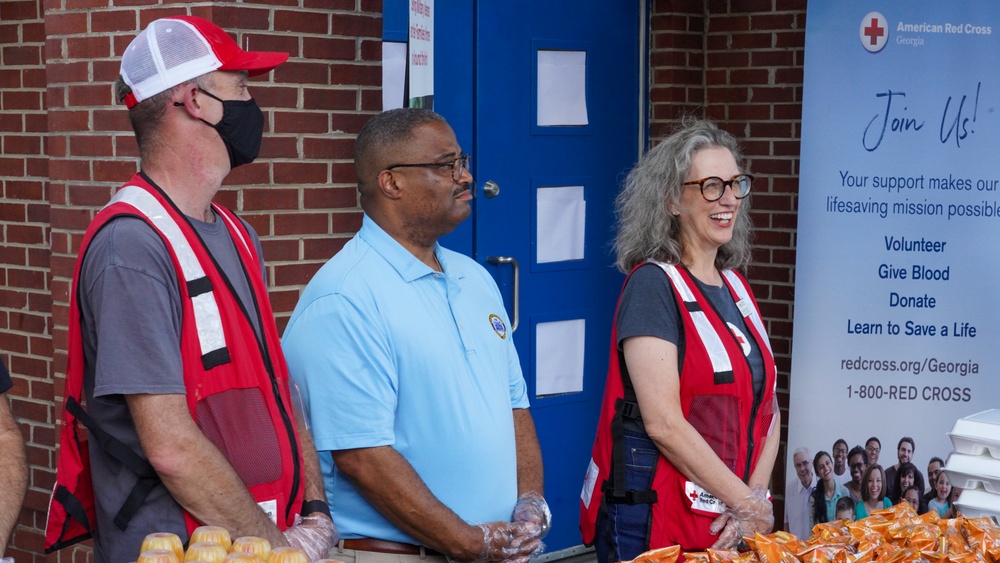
689, 426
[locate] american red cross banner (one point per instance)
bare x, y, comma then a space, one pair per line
896, 310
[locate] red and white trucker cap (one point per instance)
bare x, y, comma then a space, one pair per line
173, 50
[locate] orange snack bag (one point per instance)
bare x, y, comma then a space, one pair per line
924, 538
897, 530
867, 523
783, 537
747, 557
770, 551
982, 535
953, 541
902, 510
789, 541
865, 556
863, 537
929, 517
661, 555
722, 555
696, 557
880, 524
844, 556
936, 557
838, 541
969, 557
903, 555
821, 553
830, 532
886, 551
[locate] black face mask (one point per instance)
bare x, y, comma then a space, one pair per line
241, 129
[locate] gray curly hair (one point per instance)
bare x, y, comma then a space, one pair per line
647, 228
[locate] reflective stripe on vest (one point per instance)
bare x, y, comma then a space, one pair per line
709, 337
747, 303
233, 228
208, 321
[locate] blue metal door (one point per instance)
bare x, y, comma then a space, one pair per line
568, 284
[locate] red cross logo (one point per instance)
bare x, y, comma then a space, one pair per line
693, 495
873, 32
738, 335
740, 339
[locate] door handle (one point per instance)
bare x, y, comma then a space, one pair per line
516, 302
491, 189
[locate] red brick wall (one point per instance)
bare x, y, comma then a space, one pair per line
739, 62
66, 147
25, 302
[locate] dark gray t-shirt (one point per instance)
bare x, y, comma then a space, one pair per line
649, 308
131, 322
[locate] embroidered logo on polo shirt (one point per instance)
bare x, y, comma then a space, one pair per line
498, 326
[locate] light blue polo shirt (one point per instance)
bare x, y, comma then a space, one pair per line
386, 351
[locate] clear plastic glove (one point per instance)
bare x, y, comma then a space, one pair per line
753, 513
729, 532
314, 534
512, 542
531, 507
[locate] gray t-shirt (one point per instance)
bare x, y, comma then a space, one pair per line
649, 308
130, 308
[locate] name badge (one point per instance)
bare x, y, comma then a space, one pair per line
745, 307
270, 507
589, 483
702, 500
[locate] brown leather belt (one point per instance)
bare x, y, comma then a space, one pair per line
386, 546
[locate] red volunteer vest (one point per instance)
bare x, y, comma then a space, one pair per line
237, 385
716, 395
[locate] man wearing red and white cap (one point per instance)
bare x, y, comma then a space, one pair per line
174, 364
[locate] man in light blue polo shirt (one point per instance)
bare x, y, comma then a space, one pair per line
402, 350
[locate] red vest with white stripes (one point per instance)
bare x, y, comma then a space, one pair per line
237, 382
716, 395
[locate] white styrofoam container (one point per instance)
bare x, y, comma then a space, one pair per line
975, 503
978, 434
974, 472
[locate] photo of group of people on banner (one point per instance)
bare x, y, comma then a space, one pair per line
850, 482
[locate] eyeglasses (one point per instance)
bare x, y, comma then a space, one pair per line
873, 449
458, 166
713, 187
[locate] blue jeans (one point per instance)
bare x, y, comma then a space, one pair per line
623, 532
